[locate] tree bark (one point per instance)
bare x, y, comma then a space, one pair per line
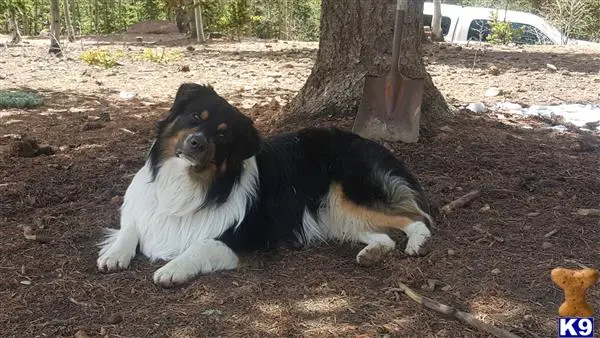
70, 30
13, 25
55, 28
356, 40
436, 21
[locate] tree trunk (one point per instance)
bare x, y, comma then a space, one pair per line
182, 20
198, 24
356, 40
13, 26
55, 28
436, 21
70, 30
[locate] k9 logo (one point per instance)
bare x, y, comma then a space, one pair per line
575, 327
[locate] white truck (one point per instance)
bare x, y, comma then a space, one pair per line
469, 24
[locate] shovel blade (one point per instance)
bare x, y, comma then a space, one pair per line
387, 115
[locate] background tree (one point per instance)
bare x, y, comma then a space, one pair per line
55, 28
356, 39
68, 23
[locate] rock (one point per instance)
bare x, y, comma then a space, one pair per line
587, 212
190, 48
447, 129
451, 252
493, 70
116, 200
184, 68
45, 150
476, 107
104, 117
91, 126
24, 147
127, 95
551, 67
485, 208
446, 288
115, 318
547, 245
495, 271
533, 214
432, 283
493, 91
80, 334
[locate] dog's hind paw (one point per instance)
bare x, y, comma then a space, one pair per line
417, 234
372, 254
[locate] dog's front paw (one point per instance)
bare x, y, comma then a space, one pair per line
172, 274
114, 260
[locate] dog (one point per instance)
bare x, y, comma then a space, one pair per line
211, 187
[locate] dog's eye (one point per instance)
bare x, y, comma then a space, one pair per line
221, 136
197, 117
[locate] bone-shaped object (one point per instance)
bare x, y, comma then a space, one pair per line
574, 284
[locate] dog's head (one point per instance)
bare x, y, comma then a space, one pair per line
202, 129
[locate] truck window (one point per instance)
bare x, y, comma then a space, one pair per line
445, 23
480, 29
531, 35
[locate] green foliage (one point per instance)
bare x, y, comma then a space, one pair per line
159, 55
101, 57
574, 18
19, 99
502, 32
281, 19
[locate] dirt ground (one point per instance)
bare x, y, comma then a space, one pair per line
532, 182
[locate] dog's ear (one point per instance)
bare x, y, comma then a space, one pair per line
188, 91
247, 139
185, 93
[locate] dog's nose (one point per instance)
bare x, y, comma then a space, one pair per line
197, 142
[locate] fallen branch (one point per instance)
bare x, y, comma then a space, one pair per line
487, 233
551, 233
30, 235
461, 202
450, 311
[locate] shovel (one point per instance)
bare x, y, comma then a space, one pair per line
390, 108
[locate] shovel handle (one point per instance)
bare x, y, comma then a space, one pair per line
399, 22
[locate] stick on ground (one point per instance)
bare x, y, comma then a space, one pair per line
450, 311
461, 202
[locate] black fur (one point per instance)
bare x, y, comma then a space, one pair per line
296, 170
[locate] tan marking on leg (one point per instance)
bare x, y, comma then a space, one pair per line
371, 219
204, 115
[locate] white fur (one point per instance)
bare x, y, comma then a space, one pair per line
417, 234
377, 246
332, 223
204, 256
163, 218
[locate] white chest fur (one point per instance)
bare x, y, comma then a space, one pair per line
165, 212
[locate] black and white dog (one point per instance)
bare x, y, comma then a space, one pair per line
211, 186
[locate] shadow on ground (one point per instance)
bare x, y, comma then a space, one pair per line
531, 182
